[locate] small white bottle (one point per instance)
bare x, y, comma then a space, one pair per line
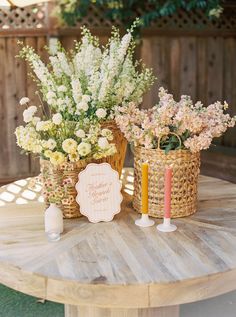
53, 219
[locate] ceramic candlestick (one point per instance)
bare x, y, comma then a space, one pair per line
144, 221
166, 226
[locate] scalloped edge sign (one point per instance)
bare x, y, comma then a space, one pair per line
99, 192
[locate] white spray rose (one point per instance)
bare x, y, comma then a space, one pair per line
101, 113
57, 118
84, 148
69, 146
51, 144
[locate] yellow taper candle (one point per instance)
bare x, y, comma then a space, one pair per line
145, 188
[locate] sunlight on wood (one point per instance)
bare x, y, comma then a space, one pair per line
7, 196
21, 201
28, 194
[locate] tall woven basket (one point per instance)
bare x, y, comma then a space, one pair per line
58, 174
184, 182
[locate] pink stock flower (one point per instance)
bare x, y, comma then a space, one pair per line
195, 124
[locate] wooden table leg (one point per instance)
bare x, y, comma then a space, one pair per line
87, 311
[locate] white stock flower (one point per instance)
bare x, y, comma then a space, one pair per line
82, 106
65, 66
51, 101
101, 113
24, 101
50, 95
103, 143
86, 98
80, 133
57, 118
84, 148
76, 90
35, 120
62, 88
32, 109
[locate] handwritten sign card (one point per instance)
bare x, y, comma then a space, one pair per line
99, 193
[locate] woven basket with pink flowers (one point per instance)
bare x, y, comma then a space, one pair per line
172, 133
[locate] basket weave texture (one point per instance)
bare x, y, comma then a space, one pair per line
184, 181
64, 171
117, 160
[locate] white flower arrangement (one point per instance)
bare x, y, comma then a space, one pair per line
90, 82
60, 140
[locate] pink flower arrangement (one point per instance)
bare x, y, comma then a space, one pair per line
195, 124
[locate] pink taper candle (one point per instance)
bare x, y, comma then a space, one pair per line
167, 200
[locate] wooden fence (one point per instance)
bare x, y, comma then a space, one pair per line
189, 55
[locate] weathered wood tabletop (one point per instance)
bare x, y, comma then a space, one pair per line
117, 269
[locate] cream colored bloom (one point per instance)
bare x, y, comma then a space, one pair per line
103, 143
51, 95
108, 134
84, 148
82, 106
44, 125
29, 113
24, 101
57, 118
69, 146
86, 98
62, 88
47, 153
74, 157
51, 144
57, 158
35, 120
101, 113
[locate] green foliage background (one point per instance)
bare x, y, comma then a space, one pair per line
125, 11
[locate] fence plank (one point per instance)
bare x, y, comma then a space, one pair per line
14, 84
215, 73
201, 70
188, 67
155, 53
229, 91
175, 57
3, 117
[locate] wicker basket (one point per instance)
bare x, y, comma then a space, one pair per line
71, 170
184, 182
117, 160
59, 173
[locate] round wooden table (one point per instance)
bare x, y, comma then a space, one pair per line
117, 269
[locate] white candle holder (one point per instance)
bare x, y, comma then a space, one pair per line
144, 221
166, 226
